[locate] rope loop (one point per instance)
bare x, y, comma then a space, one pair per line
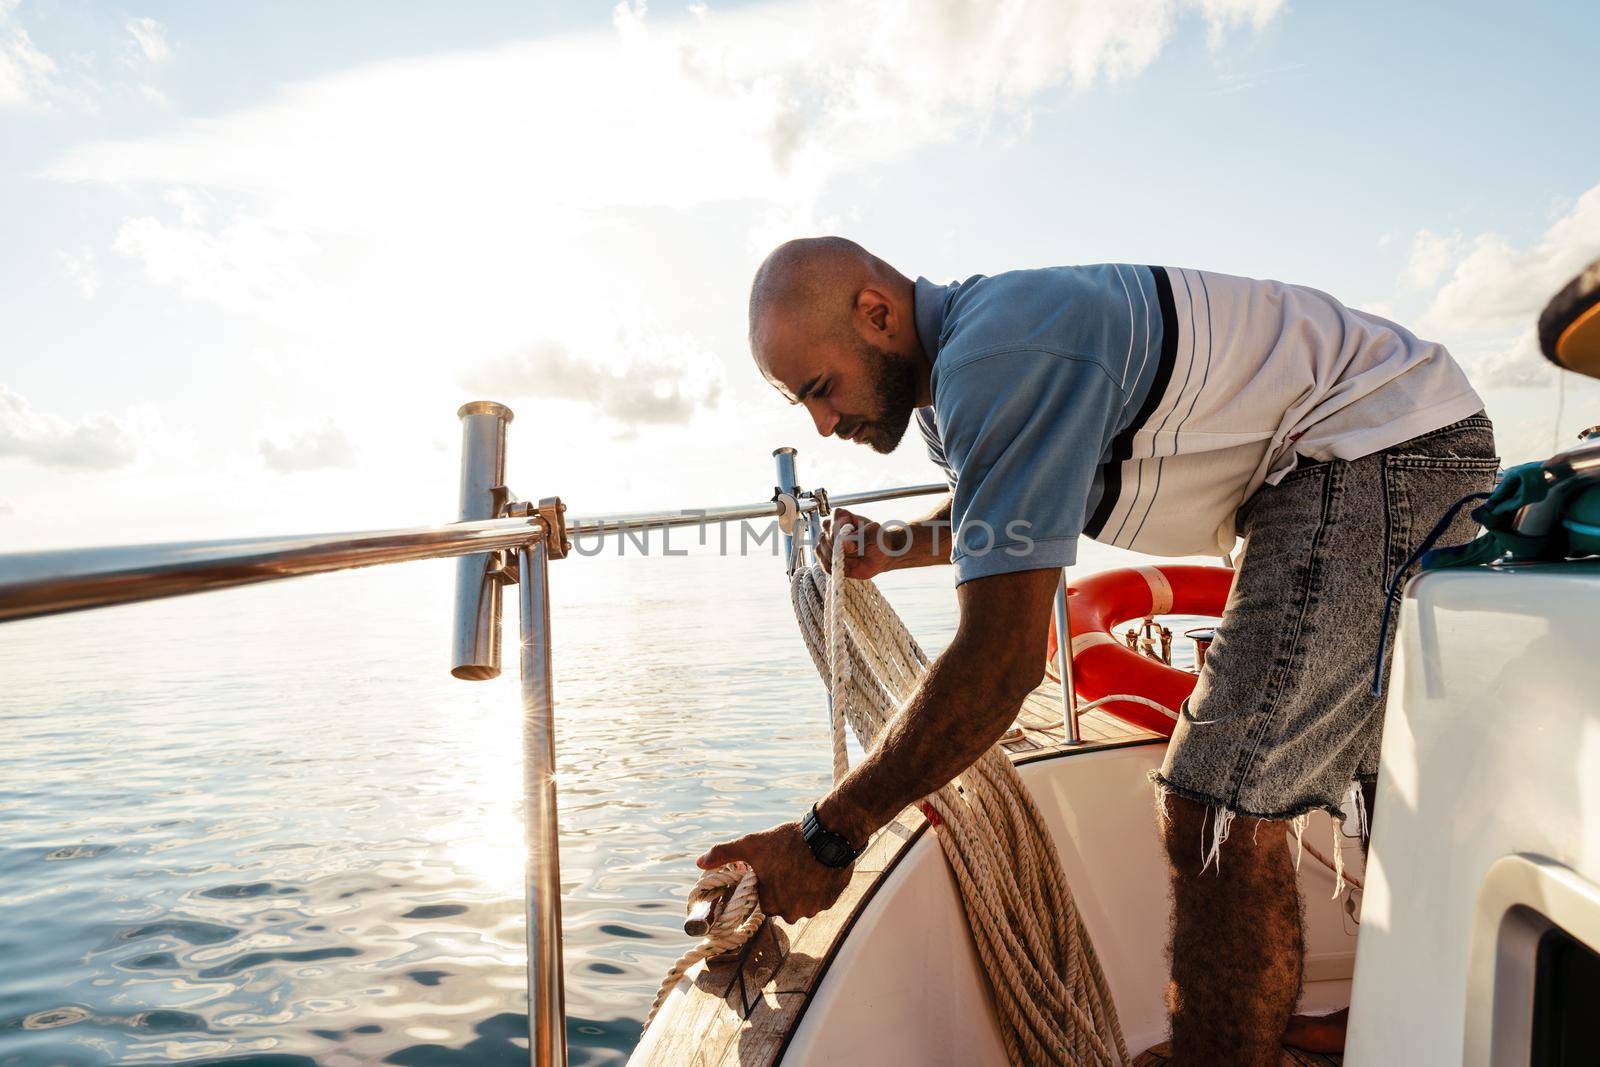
735, 924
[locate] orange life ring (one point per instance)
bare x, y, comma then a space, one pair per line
1103, 665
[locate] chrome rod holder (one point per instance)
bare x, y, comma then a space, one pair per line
1069, 690
476, 652
788, 485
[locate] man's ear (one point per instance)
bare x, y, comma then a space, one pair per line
874, 306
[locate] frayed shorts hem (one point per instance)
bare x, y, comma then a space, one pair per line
1223, 814
1164, 785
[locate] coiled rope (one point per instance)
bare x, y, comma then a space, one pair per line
1054, 1004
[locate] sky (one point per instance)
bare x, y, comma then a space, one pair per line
253, 257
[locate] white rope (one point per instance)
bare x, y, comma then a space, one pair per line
1054, 1004
1131, 698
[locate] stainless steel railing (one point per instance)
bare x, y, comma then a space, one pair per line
51, 583
36, 584
499, 541
765, 509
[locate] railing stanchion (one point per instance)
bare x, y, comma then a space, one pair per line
1069, 691
547, 1017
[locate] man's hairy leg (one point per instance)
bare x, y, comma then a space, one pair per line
1238, 948
1326, 1033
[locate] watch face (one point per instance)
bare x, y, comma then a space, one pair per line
829, 848
833, 852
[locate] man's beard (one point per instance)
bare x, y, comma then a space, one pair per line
895, 386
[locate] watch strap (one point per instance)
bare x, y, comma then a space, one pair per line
831, 849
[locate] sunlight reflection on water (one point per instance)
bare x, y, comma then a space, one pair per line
267, 826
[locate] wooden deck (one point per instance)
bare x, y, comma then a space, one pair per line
741, 1011
1044, 733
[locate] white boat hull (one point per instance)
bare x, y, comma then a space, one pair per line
907, 989
1488, 815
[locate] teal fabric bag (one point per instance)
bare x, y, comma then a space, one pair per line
1571, 523
1574, 536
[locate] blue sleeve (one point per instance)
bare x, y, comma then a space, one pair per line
1024, 432
930, 437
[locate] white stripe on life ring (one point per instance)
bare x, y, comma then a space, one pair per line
1090, 639
1160, 590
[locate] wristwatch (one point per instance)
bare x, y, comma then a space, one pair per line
831, 849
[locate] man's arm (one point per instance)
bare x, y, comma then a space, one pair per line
926, 541
967, 699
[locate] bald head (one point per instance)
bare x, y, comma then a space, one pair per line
814, 281
833, 327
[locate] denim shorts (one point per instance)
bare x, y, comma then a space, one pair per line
1282, 718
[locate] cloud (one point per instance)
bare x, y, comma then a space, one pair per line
782, 222
409, 207
99, 442
1497, 288
1432, 255
1518, 365
662, 383
27, 75
81, 270
150, 38
319, 448
768, 101
1487, 292
29, 78
1223, 15
409, 218
247, 264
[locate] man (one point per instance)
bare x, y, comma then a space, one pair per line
1165, 411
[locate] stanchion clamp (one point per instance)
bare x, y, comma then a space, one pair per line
553, 513
788, 510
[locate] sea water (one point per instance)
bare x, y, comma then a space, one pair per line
266, 826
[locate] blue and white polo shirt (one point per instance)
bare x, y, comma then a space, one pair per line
1140, 406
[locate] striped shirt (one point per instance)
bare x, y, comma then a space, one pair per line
1141, 406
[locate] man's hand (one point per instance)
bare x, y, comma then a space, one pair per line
865, 555
793, 883
872, 548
